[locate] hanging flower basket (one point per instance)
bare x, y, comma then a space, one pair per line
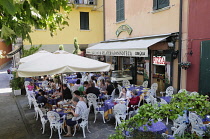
185, 65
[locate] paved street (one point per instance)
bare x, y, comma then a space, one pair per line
12, 124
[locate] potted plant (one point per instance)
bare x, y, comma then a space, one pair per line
185, 65
16, 84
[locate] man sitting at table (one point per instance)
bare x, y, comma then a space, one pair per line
93, 89
66, 92
79, 109
82, 88
42, 98
109, 87
77, 94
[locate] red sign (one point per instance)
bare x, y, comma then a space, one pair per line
159, 60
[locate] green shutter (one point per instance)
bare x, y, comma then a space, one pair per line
120, 13
155, 4
204, 78
163, 3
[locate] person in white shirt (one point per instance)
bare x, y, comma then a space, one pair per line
79, 109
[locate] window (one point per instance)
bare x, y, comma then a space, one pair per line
120, 12
84, 20
158, 4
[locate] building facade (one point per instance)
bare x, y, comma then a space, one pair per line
85, 24
198, 47
147, 34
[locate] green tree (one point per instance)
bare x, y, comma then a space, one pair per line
17, 17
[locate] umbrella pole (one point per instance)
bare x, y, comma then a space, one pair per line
62, 85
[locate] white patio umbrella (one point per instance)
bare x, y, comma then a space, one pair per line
60, 63
60, 52
34, 56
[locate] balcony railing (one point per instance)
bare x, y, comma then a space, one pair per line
84, 2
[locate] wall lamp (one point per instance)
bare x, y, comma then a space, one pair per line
175, 54
171, 45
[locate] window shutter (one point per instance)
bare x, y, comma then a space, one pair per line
120, 15
84, 20
155, 4
163, 3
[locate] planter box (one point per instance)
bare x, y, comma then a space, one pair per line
17, 92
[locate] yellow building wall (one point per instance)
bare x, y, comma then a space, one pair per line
139, 15
66, 36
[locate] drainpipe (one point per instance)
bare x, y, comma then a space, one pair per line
104, 20
180, 43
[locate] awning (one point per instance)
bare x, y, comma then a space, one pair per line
131, 48
17, 49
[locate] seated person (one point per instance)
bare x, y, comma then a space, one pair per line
93, 89
77, 94
52, 84
30, 86
94, 80
123, 93
42, 98
39, 93
77, 85
80, 107
66, 92
109, 87
79, 75
82, 88
134, 100
117, 92
102, 86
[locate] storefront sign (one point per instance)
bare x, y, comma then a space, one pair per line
125, 28
159, 60
130, 53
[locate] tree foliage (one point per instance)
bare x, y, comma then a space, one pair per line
147, 112
17, 17
30, 51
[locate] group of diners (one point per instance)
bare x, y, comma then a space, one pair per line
76, 95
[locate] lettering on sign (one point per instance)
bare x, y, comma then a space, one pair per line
134, 53
159, 60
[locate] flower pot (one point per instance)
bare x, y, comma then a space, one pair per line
17, 92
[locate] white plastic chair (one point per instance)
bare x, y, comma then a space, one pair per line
119, 112
194, 93
84, 122
98, 109
154, 87
180, 120
91, 98
182, 90
169, 91
177, 131
125, 83
55, 122
145, 84
197, 124
43, 119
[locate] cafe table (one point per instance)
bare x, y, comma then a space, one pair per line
108, 106
158, 127
167, 98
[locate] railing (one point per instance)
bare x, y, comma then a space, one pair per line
85, 2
